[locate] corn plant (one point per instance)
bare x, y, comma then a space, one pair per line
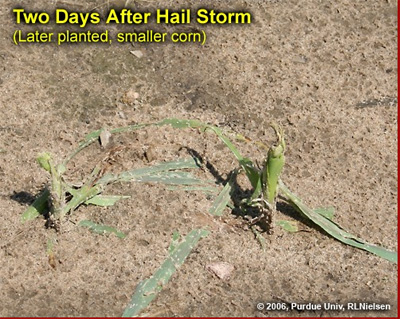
63, 199
265, 181
267, 184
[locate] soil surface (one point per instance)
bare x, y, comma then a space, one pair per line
325, 71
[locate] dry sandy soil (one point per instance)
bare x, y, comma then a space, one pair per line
326, 71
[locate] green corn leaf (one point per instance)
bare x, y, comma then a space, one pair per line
170, 178
130, 128
174, 242
273, 167
223, 198
44, 160
178, 123
252, 174
101, 229
105, 200
37, 208
91, 137
327, 212
245, 163
334, 229
135, 174
289, 226
227, 142
81, 196
165, 173
148, 289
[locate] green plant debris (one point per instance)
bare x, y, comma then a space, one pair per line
334, 229
49, 246
38, 207
259, 237
289, 226
224, 197
154, 173
101, 229
174, 242
148, 289
327, 212
105, 200
170, 178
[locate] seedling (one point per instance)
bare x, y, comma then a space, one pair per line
265, 181
63, 199
266, 184
266, 189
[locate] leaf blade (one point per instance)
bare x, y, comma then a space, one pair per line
223, 197
289, 226
37, 208
105, 200
148, 289
101, 229
334, 229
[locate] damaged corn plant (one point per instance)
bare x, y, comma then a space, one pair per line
61, 199
267, 184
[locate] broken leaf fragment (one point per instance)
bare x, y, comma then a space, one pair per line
148, 289
44, 161
289, 226
101, 229
105, 200
333, 229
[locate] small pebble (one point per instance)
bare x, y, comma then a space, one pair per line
222, 270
